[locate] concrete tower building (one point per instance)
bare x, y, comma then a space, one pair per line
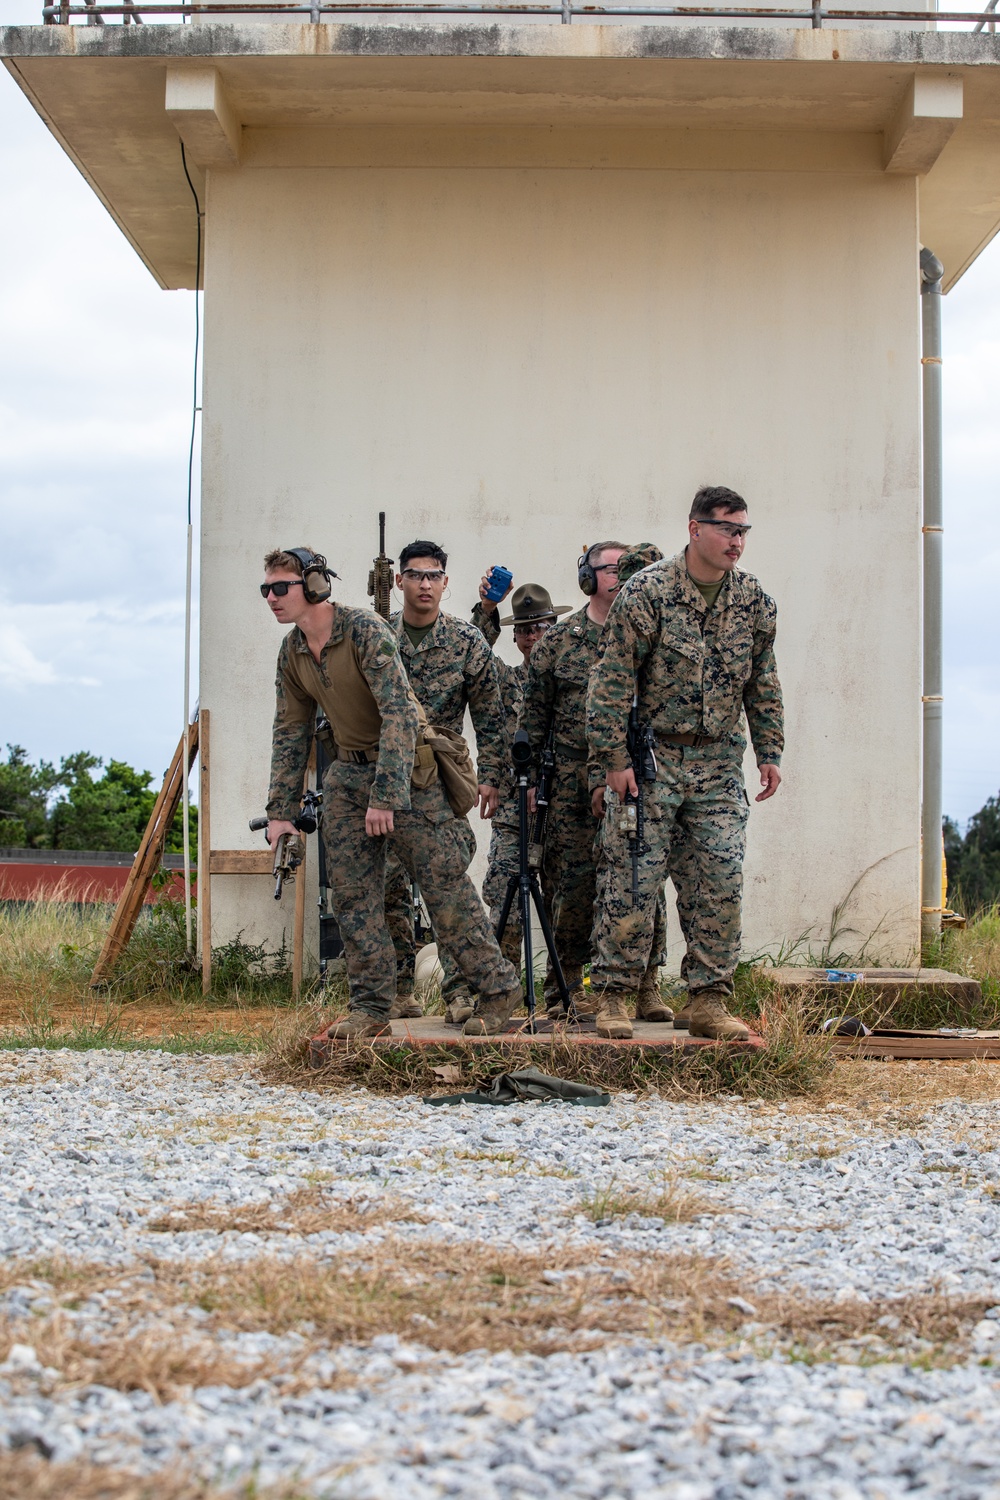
524, 283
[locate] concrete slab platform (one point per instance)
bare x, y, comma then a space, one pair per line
886, 985
431, 1031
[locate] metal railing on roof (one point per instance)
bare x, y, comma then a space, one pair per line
133, 12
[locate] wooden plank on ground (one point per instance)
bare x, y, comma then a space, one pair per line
916, 1047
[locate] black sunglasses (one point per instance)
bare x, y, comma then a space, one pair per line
280, 589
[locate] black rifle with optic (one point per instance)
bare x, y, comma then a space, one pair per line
641, 746
287, 857
543, 795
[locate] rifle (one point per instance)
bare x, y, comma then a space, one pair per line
288, 852
543, 794
380, 575
641, 747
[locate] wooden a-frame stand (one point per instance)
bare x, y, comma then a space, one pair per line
210, 861
147, 860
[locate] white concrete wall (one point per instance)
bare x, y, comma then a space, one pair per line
517, 362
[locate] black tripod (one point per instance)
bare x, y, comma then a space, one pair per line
524, 885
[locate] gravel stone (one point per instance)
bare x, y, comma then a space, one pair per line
94, 1146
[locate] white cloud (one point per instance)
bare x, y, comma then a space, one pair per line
19, 666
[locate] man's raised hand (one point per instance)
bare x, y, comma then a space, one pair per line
490, 605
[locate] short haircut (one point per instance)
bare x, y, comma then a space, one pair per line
423, 549
286, 560
597, 548
715, 497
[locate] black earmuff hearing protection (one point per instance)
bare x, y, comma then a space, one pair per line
316, 586
585, 575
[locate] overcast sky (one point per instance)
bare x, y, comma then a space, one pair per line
95, 377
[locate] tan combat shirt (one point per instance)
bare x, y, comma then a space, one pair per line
360, 685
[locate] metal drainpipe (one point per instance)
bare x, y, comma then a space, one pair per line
931, 272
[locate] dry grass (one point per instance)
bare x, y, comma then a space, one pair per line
905, 1089
666, 1199
794, 1061
48, 949
452, 1298
310, 1210
26, 1476
164, 1359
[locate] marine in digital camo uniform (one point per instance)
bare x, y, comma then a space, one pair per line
532, 614
555, 697
346, 662
450, 668
698, 637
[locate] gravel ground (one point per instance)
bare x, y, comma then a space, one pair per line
828, 1203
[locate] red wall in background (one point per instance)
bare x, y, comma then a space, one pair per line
20, 881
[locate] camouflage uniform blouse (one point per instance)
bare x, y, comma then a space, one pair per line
453, 668
699, 669
558, 673
512, 681
361, 687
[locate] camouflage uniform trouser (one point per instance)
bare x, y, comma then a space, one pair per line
568, 863
399, 920
572, 841
429, 842
699, 799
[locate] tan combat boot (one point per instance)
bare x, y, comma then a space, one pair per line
612, 1015
491, 1016
458, 1011
582, 1002
357, 1026
405, 1007
649, 1002
709, 1017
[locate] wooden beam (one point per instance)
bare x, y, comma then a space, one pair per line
204, 846
240, 862
299, 928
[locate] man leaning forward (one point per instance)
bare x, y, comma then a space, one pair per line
695, 638
345, 661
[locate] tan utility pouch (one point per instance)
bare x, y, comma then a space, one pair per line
455, 768
442, 752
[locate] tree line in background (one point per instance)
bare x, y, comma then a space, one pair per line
67, 807
45, 807
973, 859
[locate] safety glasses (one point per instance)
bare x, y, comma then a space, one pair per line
728, 528
423, 575
280, 589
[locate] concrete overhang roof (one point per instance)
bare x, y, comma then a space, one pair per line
728, 98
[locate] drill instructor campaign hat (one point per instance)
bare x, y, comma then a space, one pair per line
530, 604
